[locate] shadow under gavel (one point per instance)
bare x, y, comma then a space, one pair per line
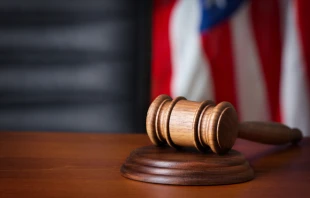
204, 125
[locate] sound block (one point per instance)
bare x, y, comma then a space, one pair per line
166, 165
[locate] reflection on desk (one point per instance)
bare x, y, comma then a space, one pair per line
88, 165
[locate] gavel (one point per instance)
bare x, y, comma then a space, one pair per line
205, 125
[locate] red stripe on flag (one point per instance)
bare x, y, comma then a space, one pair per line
161, 59
303, 25
265, 16
217, 45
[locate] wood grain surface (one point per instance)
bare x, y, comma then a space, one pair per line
204, 125
88, 165
183, 123
166, 165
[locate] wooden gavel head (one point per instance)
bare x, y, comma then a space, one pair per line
204, 125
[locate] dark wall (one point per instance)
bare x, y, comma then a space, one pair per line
74, 65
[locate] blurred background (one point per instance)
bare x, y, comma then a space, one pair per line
74, 65
95, 66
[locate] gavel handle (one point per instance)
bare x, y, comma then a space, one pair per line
268, 133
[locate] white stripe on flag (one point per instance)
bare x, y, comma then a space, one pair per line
190, 70
250, 84
295, 104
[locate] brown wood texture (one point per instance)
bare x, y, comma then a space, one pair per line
268, 133
203, 125
166, 165
184, 123
68, 165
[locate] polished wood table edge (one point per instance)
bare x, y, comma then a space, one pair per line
48, 164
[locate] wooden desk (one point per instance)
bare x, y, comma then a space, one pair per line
87, 165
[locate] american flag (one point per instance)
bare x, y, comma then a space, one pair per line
254, 54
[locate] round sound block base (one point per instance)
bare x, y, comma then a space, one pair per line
165, 165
